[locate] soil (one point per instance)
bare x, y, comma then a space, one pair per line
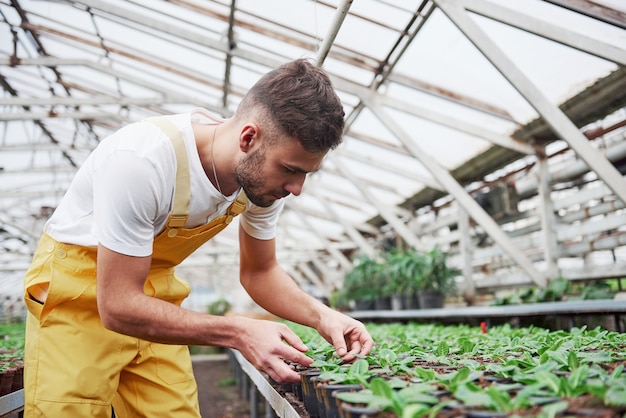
218, 393
220, 396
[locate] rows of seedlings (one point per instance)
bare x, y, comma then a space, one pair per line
418, 370
11, 358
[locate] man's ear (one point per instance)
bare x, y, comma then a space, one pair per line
249, 136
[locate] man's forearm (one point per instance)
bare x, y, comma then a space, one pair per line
276, 292
159, 321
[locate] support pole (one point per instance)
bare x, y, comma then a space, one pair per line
548, 220
465, 245
562, 126
340, 15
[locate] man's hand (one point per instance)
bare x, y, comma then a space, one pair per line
263, 345
349, 336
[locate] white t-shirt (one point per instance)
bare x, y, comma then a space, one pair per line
123, 194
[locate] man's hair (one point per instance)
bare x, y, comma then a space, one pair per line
298, 99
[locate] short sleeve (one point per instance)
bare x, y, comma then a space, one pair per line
128, 195
261, 223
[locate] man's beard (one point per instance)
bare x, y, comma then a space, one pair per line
248, 175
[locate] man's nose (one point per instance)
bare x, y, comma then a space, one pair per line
295, 185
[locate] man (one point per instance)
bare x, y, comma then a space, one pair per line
105, 326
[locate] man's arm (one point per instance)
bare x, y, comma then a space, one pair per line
272, 288
126, 309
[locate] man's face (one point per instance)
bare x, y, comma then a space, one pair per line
271, 172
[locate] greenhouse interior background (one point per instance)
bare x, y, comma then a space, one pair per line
493, 131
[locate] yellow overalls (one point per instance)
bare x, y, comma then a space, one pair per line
76, 368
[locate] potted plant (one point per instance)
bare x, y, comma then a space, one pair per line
11, 358
438, 280
219, 307
339, 299
406, 269
362, 284
420, 370
385, 288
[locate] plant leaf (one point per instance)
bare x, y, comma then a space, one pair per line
552, 409
443, 349
380, 387
617, 371
616, 395
559, 357
359, 367
471, 395
572, 360
500, 398
415, 411
360, 397
578, 376
550, 381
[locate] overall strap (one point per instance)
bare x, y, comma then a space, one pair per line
182, 191
237, 206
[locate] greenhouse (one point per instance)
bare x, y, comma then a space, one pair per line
465, 231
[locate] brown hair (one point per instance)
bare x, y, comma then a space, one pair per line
299, 99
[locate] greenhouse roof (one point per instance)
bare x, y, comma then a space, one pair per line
438, 95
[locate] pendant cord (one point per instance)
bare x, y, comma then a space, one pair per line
213, 162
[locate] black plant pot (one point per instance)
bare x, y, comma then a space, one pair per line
364, 305
296, 388
328, 406
383, 303
430, 299
410, 301
307, 378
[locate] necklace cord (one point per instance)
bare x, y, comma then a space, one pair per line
217, 182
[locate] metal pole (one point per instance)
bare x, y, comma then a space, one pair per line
254, 402
340, 15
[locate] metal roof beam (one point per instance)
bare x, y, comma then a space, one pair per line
594, 9
450, 96
296, 275
336, 254
370, 182
229, 58
436, 117
102, 100
459, 193
315, 213
456, 124
180, 32
349, 229
325, 196
546, 29
169, 94
62, 115
558, 121
391, 168
335, 25
314, 278
385, 211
